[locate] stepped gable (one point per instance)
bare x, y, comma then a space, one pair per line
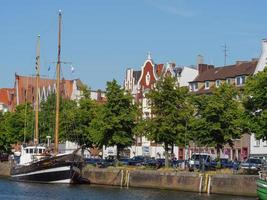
26, 88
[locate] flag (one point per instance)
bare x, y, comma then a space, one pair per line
72, 69
49, 68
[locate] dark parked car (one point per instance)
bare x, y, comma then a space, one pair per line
200, 161
106, 163
124, 160
224, 162
137, 160
4, 157
252, 164
92, 161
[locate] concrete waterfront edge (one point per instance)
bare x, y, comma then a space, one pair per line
243, 185
5, 169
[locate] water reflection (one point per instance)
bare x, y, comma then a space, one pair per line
22, 191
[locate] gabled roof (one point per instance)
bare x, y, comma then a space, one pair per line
159, 69
28, 84
5, 96
230, 71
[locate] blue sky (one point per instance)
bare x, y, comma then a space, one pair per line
104, 37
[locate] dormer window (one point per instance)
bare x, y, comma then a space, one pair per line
240, 80
207, 85
194, 86
218, 83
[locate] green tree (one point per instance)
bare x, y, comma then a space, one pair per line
218, 118
18, 126
255, 103
5, 138
77, 119
115, 120
171, 112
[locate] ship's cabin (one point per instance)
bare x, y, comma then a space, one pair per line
31, 153
34, 150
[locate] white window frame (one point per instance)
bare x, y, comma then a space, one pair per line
195, 86
242, 80
257, 143
218, 83
207, 87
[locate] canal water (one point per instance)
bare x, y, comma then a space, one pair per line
31, 191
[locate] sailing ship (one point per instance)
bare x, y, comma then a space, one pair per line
38, 163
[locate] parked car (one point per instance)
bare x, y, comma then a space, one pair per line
107, 162
124, 160
137, 160
199, 160
92, 161
252, 164
4, 157
224, 162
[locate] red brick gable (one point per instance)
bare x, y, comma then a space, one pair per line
148, 69
6, 95
26, 88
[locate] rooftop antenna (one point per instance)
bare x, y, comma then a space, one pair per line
225, 50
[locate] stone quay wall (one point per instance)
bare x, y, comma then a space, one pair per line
242, 185
4, 169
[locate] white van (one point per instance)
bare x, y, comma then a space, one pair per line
197, 158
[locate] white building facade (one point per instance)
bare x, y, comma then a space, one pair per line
258, 148
139, 82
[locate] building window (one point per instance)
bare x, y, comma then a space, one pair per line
240, 80
147, 78
228, 81
218, 83
207, 84
194, 86
257, 143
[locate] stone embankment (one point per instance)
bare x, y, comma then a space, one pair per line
4, 169
243, 185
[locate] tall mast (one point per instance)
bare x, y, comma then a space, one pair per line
57, 84
36, 136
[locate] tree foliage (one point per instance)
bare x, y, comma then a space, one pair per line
255, 102
170, 114
115, 120
16, 127
218, 118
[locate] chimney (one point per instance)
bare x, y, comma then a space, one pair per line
204, 67
200, 59
98, 96
262, 60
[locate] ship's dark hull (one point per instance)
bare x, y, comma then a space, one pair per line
55, 169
